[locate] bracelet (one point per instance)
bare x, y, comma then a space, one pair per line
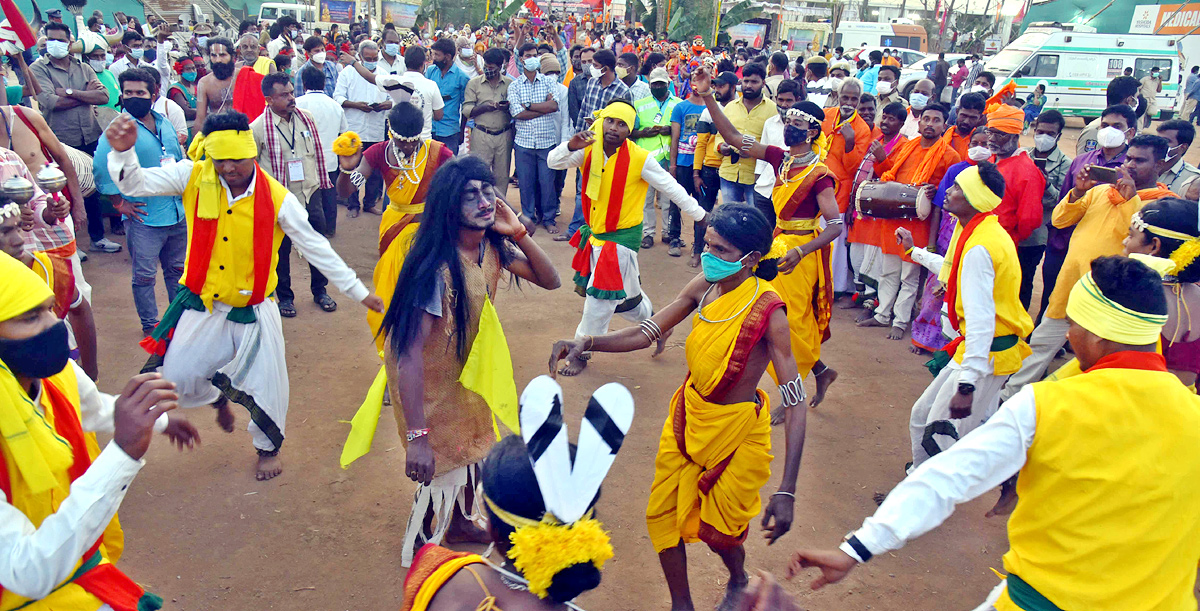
414, 434
782, 493
799, 251
705, 94
590, 341
650, 330
792, 392
520, 234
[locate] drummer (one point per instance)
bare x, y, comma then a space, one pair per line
804, 194
920, 162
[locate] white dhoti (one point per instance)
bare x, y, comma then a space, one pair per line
209, 355
839, 263
636, 307
444, 496
930, 428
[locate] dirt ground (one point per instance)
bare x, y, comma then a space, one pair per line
205, 535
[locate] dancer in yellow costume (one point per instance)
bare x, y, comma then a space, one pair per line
221, 339
59, 535
1109, 517
407, 164
804, 196
714, 454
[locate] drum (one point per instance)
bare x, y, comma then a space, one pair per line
892, 200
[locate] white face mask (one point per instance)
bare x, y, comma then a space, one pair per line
979, 153
57, 48
1044, 142
595, 71
979, 89
883, 87
467, 52
97, 64
918, 100
1110, 137
318, 57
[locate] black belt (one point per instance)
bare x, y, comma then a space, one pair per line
492, 132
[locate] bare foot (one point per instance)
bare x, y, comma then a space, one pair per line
694, 262
225, 417
917, 350
662, 343
824, 380
1005, 504
573, 367
868, 320
268, 467
896, 333
733, 595
778, 415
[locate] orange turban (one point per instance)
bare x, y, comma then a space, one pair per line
1007, 119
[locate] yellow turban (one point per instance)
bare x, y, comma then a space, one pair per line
621, 111
1088, 307
21, 289
978, 194
1007, 119
224, 144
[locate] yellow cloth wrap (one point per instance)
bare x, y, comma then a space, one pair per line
346, 144
1089, 308
616, 110
387, 270
978, 194
800, 289
21, 289
434, 582
798, 224
1008, 119
712, 432
263, 66
224, 144
488, 371
1164, 267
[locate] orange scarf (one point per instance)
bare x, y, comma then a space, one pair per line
928, 165
1157, 191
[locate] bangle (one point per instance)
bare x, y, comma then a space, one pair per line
799, 251
782, 493
414, 434
590, 341
520, 234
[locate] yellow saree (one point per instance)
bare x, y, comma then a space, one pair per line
714, 458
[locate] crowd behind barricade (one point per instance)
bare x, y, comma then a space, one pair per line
811, 183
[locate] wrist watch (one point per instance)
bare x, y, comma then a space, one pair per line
965, 389
70, 91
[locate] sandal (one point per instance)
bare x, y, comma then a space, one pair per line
325, 301
287, 309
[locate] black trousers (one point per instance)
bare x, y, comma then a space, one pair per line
1029, 256
92, 204
318, 281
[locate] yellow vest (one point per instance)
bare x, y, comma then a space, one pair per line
1011, 317
229, 277
1109, 517
629, 192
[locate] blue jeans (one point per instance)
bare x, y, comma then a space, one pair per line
538, 201
150, 247
736, 192
577, 218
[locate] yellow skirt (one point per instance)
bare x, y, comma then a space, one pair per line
803, 293
387, 272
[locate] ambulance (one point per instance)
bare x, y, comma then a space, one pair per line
1079, 65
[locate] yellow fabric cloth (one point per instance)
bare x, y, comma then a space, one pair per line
225, 144
799, 289
1091, 309
1100, 228
711, 432
1109, 517
20, 288
594, 165
748, 123
429, 588
630, 195
1011, 317
488, 371
231, 268
263, 65
978, 194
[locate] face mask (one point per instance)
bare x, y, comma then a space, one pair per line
222, 70
979, 153
490, 74
138, 107
531, 64
57, 49
370, 65
202, 41
715, 268
318, 57
467, 52
918, 100
622, 72
883, 87
979, 89
1178, 150
793, 135
1044, 142
97, 64
137, 53
40, 356
392, 48
1110, 137
658, 92
188, 76
595, 72
741, 62
108, 59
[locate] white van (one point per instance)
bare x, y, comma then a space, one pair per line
1079, 66
269, 12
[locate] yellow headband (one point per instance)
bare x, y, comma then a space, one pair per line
616, 110
1089, 308
978, 194
224, 144
21, 289
1182, 256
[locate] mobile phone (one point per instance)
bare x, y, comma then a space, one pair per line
1040, 163
1103, 174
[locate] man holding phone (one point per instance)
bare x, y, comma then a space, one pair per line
1101, 212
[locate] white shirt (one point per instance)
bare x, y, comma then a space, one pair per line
975, 464
174, 114
772, 135
472, 67
329, 118
818, 91
977, 289
562, 158
912, 125
386, 67
426, 96
132, 179
275, 45
35, 560
561, 121
353, 87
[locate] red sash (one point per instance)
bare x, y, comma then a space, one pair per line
247, 93
204, 237
952, 282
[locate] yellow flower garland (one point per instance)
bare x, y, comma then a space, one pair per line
1186, 254
541, 551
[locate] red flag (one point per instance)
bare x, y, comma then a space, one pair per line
17, 22
534, 10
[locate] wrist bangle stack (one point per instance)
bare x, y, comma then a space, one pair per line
651, 330
414, 434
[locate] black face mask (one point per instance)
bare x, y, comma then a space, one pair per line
150, 55
222, 70
138, 107
793, 135
40, 356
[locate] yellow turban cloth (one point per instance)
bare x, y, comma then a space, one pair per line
224, 144
1007, 119
32, 445
616, 110
1088, 307
978, 194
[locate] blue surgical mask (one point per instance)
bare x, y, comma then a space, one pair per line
532, 64
717, 269
137, 53
392, 48
370, 65
108, 59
